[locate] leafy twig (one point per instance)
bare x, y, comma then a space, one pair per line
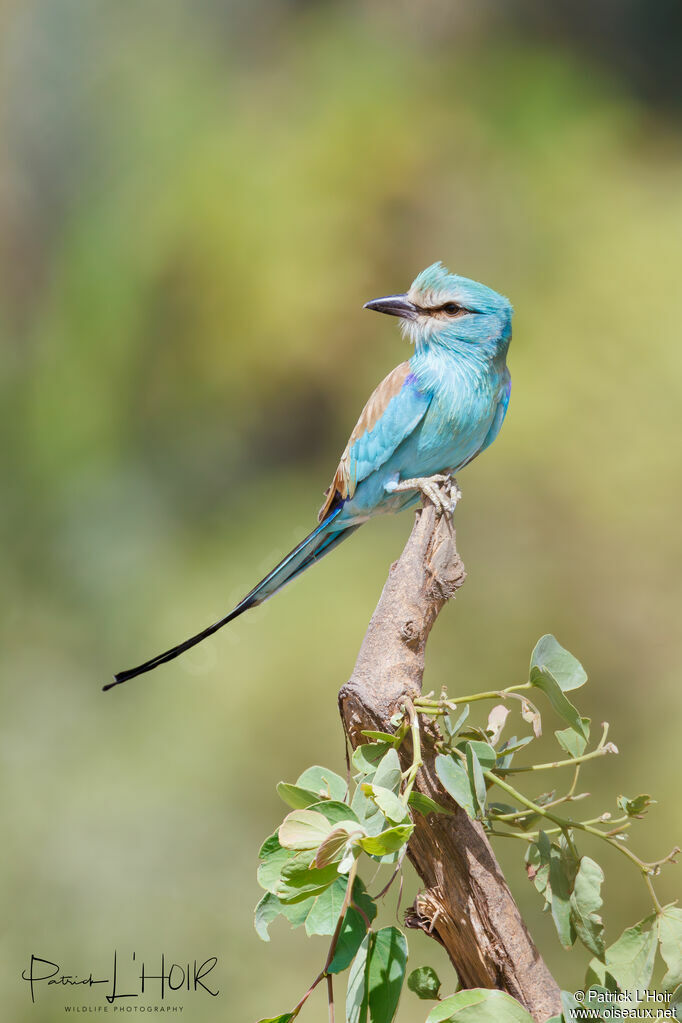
566, 824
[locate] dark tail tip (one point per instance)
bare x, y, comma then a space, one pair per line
169, 655
123, 676
110, 685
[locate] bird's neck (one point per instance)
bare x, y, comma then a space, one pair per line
456, 364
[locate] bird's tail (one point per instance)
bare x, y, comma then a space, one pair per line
321, 541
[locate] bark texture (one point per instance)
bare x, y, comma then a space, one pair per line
466, 904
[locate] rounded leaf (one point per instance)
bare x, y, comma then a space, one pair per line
479, 1005
303, 829
327, 784
550, 657
424, 982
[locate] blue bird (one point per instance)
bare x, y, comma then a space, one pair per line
431, 416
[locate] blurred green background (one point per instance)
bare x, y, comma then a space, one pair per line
195, 201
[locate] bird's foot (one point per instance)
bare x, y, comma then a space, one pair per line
441, 490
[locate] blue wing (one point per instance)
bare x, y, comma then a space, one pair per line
393, 411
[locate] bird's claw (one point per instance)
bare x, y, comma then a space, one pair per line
441, 490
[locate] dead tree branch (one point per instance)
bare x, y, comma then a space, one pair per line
466, 904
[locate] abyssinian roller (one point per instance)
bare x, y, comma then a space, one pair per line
427, 419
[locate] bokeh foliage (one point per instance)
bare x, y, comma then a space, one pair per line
195, 200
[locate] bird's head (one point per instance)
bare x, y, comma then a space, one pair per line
445, 309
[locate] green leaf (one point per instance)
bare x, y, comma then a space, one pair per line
367, 812
386, 973
269, 847
390, 805
273, 858
630, 960
319, 911
485, 754
334, 812
598, 998
476, 778
285, 1017
453, 725
350, 938
300, 881
456, 782
552, 659
537, 865
388, 773
586, 901
376, 977
562, 871
323, 916
388, 841
636, 807
525, 823
505, 753
357, 995
528, 821
479, 1005
267, 909
303, 829
424, 982
610, 983
552, 869
497, 808
380, 736
675, 1002
366, 758
425, 805
573, 1010
563, 707
513, 745
353, 929
326, 783
475, 733
270, 907
295, 796
670, 938
574, 742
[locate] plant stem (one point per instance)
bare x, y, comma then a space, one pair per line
339, 923
652, 893
492, 694
332, 947
574, 784
520, 814
600, 751
297, 1008
330, 997
533, 835
416, 753
528, 836
393, 876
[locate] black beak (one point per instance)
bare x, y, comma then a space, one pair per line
394, 305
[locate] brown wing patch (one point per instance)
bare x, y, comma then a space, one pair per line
343, 485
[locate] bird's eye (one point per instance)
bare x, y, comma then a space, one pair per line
451, 307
